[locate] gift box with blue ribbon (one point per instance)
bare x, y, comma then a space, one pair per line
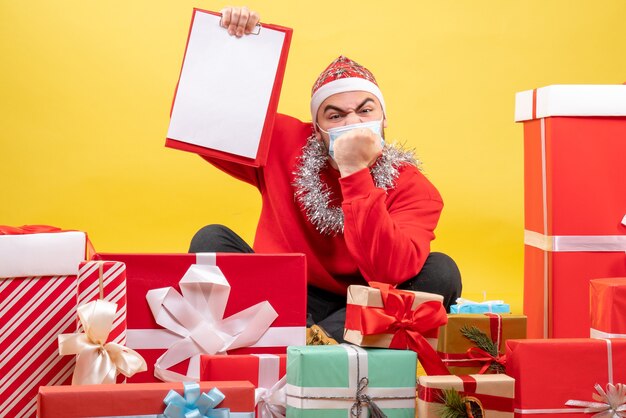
148, 400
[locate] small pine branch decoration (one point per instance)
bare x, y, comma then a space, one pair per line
482, 341
457, 406
453, 405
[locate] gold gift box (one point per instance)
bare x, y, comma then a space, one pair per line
493, 394
453, 345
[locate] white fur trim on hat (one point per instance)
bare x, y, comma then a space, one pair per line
343, 85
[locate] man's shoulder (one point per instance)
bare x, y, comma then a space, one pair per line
412, 178
285, 124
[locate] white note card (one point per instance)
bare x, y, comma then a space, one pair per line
225, 87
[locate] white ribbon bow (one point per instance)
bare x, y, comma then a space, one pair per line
96, 360
610, 404
271, 402
196, 318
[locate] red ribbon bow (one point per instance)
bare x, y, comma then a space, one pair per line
478, 354
407, 325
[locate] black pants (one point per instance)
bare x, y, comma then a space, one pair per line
439, 275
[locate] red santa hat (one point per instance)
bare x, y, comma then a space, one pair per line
340, 76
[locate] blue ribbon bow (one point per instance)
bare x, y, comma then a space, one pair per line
195, 404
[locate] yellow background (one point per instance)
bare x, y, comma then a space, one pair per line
86, 89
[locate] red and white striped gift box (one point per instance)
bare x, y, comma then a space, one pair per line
104, 280
35, 308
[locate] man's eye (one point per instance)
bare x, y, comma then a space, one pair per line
334, 116
366, 110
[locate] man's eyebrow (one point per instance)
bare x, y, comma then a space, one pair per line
340, 110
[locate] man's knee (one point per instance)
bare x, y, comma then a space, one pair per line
205, 239
440, 274
445, 269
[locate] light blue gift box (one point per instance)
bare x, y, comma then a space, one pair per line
471, 307
334, 381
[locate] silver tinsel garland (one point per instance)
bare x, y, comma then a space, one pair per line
315, 196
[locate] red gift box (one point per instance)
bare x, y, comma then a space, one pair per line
35, 308
574, 182
132, 399
550, 372
608, 307
254, 278
264, 371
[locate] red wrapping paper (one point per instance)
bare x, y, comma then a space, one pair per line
130, 399
236, 367
279, 279
608, 307
35, 309
241, 367
567, 160
550, 372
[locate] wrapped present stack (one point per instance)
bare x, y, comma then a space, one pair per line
574, 253
574, 183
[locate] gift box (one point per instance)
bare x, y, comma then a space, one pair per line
137, 399
265, 371
209, 321
492, 395
607, 299
465, 306
573, 148
549, 373
37, 303
381, 316
346, 380
464, 356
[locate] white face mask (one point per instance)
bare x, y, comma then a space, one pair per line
334, 133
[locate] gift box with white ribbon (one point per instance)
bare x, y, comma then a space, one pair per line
575, 200
349, 381
568, 377
265, 371
38, 299
181, 306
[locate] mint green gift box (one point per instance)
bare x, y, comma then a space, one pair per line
323, 381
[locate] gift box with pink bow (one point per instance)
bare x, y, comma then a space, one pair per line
381, 316
186, 305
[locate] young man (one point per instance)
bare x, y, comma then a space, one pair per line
359, 209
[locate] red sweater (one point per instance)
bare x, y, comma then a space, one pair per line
386, 234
